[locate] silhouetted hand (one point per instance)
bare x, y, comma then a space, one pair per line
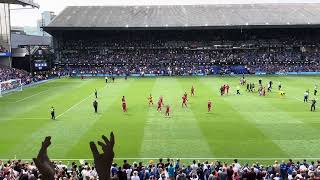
104, 160
43, 162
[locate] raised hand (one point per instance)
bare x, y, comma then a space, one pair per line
43, 162
104, 160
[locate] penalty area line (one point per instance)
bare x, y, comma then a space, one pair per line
31, 96
77, 104
73, 106
24, 118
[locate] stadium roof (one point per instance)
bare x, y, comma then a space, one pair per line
21, 39
22, 2
188, 16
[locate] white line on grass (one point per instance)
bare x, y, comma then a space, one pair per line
74, 106
298, 99
31, 96
78, 103
303, 101
23, 119
31, 118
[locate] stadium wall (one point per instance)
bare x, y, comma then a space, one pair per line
5, 61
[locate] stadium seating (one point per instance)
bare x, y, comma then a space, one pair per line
187, 57
7, 73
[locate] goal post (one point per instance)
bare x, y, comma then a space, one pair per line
9, 86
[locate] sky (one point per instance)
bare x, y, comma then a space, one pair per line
28, 17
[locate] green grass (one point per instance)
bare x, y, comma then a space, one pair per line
246, 126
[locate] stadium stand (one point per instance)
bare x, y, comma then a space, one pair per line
187, 40
203, 39
172, 56
7, 73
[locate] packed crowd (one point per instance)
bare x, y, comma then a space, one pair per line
8, 73
168, 170
216, 170
104, 168
24, 170
147, 70
187, 57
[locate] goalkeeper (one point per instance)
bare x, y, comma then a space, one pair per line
282, 93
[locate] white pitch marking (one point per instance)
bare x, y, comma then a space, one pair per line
77, 104
22, 119
31, 96
303, 101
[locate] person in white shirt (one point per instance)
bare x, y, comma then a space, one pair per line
85, 173
299, 176
128, 171
194, 177
135, 176
93, 173
194, 167
61, 166
306, 96
236, 164
277, 177
302, 168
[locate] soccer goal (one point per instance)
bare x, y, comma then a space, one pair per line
10, 86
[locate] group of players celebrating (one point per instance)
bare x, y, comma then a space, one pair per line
184, 104
262, 91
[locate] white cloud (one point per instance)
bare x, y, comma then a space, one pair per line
28, 17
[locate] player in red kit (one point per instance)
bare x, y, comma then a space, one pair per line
184, 101
227, 88
192, 91
159, 106
124, 104
150, 98
209, 105
161, 100
186, 95
167, 110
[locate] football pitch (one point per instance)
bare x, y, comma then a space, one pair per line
245, 126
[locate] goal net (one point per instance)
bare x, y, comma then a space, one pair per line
10, 86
